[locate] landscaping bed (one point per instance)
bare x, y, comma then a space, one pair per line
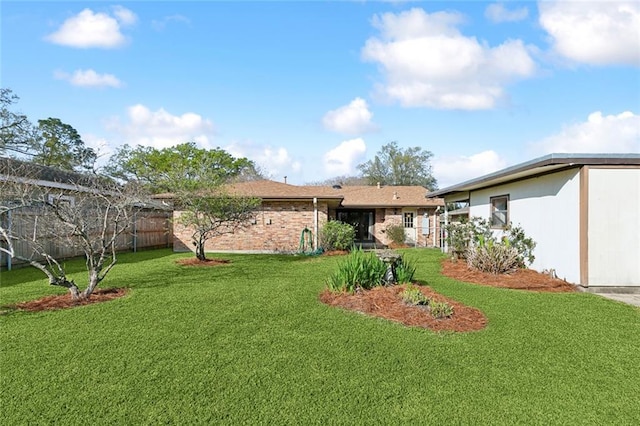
386, 302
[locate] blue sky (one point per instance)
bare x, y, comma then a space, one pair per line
309, 90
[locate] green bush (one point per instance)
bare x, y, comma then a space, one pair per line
464, 234
523, 244
336, 235
475, 238
396, 234
359, 270
405, 270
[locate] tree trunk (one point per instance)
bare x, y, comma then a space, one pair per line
200, 251
93, 283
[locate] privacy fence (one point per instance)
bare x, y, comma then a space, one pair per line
149, 229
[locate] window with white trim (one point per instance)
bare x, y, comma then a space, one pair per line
408, 219
499, 211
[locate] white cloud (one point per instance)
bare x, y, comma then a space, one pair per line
427, 62
272, 161
597, 33
599, 134
342, 159
497, 12
160, 129
453, 170
160, 25
124, 15
89, 78
88, 29
351, 119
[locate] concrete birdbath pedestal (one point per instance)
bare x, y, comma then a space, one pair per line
391, 259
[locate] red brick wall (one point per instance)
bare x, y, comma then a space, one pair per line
277, 227
389, 217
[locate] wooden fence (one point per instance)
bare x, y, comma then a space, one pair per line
149, 229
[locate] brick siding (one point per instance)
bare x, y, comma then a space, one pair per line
277, 228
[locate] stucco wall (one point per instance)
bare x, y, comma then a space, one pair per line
614, 227
547, 208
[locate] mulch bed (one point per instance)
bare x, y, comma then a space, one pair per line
63, 301
522, 279
385, 302
194, 261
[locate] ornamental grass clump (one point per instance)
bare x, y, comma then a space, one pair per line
405, 270
359, 270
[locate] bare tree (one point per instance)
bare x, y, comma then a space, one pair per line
89, 214
211, 216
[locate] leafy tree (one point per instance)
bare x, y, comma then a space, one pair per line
211, 216
182, 167
16, 132
196, 177
394, 166
59, 145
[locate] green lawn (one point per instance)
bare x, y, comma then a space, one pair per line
248, 342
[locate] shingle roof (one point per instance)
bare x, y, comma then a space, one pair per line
352, 196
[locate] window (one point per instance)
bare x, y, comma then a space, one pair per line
408, 219
499, 211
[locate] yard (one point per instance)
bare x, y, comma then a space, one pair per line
249, 342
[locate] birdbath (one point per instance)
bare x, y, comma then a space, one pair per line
391, 259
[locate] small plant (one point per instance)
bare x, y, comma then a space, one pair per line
413, 296
336, 235
359, 270
405, 271
440, 309
396, 234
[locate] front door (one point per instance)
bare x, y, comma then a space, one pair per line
409, 223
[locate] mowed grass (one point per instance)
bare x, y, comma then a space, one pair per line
249, 343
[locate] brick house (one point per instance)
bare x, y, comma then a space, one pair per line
286, 210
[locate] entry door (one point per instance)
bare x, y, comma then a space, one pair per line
409, 222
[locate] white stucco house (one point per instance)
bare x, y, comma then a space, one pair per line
582, 210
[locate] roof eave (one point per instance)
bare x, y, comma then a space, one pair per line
551, 162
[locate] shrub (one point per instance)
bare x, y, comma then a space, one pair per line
359, 270
495, 258
405, 270
396, 234
462, 235
476, 239
523, 244
413, 296
440, 309
336, 235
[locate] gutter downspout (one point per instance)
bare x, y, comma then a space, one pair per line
436, 219
446, 223
315, 223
